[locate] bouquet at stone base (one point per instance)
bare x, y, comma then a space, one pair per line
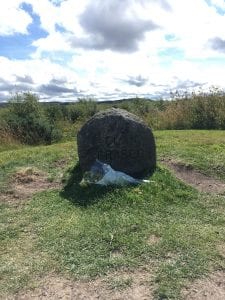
103, 174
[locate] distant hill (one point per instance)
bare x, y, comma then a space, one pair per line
101, 102
4, 104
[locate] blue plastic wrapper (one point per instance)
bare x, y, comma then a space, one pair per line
103, 174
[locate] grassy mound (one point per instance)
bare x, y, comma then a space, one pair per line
165, 226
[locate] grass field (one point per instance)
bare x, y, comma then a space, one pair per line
202, 149
87, 233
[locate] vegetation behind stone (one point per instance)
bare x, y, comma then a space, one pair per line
30, 121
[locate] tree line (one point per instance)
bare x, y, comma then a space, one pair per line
30, 121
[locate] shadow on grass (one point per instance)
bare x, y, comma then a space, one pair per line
82, 195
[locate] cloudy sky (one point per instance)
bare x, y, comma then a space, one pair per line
110, 49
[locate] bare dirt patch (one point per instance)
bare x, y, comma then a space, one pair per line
221, 249
210, 288
29, 181
137, 286
116, 254
61, 163
153, 239
24, 183
194, 178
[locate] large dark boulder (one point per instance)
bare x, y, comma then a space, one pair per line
118, 138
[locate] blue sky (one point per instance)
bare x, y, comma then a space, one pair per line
19, 45
112, 49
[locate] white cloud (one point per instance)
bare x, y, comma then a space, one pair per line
37, 71
47, 13
66, 14
13, 19
192, 23
53, 42
218, 3
177, 53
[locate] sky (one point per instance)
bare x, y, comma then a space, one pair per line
63, 50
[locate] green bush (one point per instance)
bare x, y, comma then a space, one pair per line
87, 106
31, 122
84, 108
53, 112
27, 121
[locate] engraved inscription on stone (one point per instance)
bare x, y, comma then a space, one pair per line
120, 139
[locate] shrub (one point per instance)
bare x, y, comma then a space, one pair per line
194, 111
87, 106
27, 121
53, 112
83, 109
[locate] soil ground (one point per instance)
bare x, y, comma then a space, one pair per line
25, 183
118, 286
190, 176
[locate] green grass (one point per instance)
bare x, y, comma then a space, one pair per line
9, 145
203, 149
76, 229
46, 158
